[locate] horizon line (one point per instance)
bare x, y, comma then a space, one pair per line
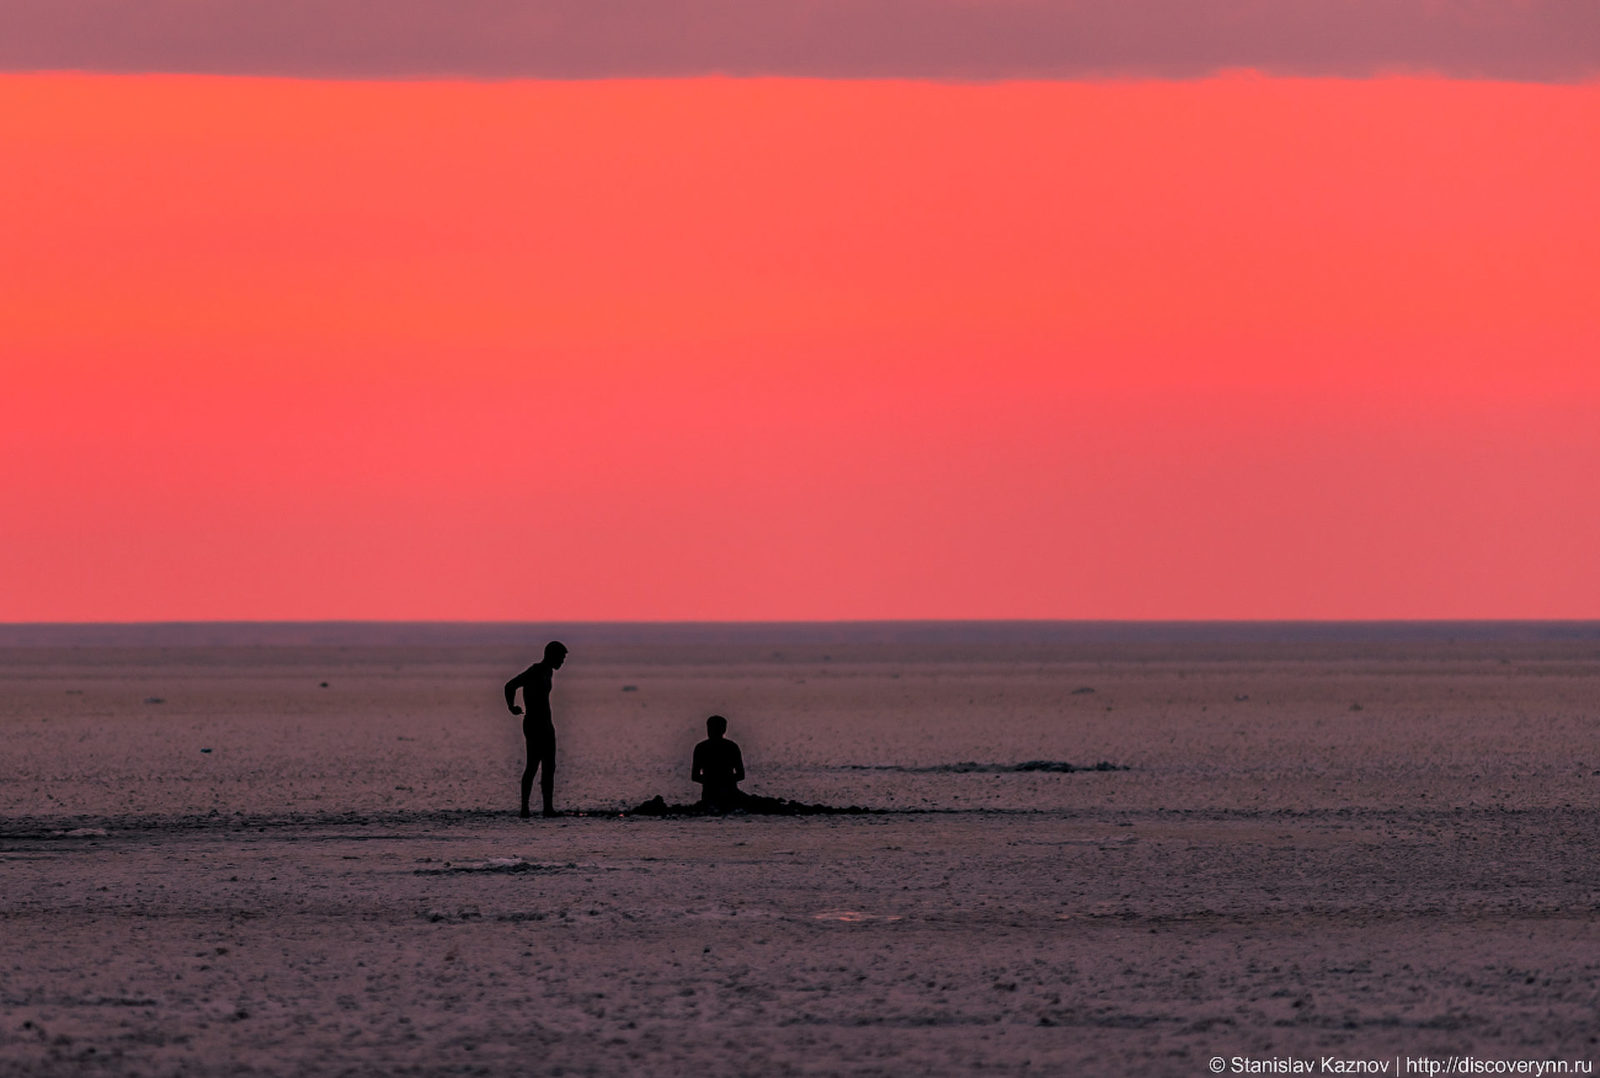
1097, 77
167, 622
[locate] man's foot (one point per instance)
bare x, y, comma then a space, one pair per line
551, 812
525, 813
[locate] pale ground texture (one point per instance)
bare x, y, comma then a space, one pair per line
1369, 843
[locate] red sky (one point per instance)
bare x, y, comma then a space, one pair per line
1227, 348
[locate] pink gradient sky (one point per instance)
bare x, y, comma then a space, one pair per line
1236, 347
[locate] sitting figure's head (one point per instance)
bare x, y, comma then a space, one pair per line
716, 726
555, 653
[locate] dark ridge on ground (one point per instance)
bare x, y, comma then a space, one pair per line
342, 826
1060, 766
90, 826
40, 834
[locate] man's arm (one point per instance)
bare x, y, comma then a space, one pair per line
738, 765
697, 771
511, 691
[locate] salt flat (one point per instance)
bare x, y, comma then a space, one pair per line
1373, 846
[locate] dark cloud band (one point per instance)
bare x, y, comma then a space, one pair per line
1534, 40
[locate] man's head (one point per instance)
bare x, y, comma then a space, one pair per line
555, 653
716, 726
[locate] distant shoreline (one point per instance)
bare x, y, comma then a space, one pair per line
844, 634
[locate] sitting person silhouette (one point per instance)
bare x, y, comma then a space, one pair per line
718, 768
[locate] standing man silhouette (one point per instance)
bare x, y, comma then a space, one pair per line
537, 729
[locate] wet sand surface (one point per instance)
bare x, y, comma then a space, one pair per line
1365, 847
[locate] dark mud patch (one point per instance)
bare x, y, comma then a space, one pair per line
972, 767
495, 865
749, 806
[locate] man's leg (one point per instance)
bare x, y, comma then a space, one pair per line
527, 775
547, 773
